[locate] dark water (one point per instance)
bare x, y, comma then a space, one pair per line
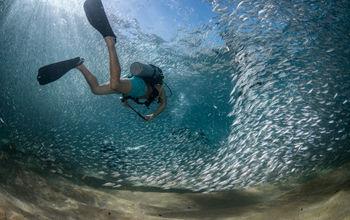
270, 105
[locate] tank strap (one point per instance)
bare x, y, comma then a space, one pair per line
150, 99
161, 87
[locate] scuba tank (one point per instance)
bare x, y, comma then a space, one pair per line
149, 73
141, 70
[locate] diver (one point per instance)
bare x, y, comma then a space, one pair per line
134, 87
144, 82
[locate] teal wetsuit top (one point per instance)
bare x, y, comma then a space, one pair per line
138, 86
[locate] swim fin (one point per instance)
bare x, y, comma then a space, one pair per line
54, 71
96, 16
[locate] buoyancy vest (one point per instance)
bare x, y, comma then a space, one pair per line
152, 75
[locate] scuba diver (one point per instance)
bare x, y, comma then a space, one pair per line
144, 82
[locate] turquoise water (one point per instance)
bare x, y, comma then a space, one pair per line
268, 104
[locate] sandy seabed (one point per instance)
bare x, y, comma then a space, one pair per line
25, 194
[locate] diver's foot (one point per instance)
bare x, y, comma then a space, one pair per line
110, 40
80, 63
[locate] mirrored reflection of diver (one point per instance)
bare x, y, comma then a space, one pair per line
145, 81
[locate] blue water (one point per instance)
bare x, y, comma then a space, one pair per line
268, 103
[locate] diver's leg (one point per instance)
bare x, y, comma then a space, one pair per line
115, 82
96, 88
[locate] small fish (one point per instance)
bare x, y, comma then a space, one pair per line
108, 184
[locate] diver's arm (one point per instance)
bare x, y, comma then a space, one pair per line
161, 107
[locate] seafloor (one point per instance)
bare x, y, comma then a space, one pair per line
28, 194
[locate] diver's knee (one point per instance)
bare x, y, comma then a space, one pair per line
95, 91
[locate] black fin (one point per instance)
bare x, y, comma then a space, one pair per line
96, 16
54, 71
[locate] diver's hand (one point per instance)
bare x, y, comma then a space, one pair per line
148, 117
126, 104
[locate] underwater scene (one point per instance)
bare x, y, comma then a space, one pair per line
257, 123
